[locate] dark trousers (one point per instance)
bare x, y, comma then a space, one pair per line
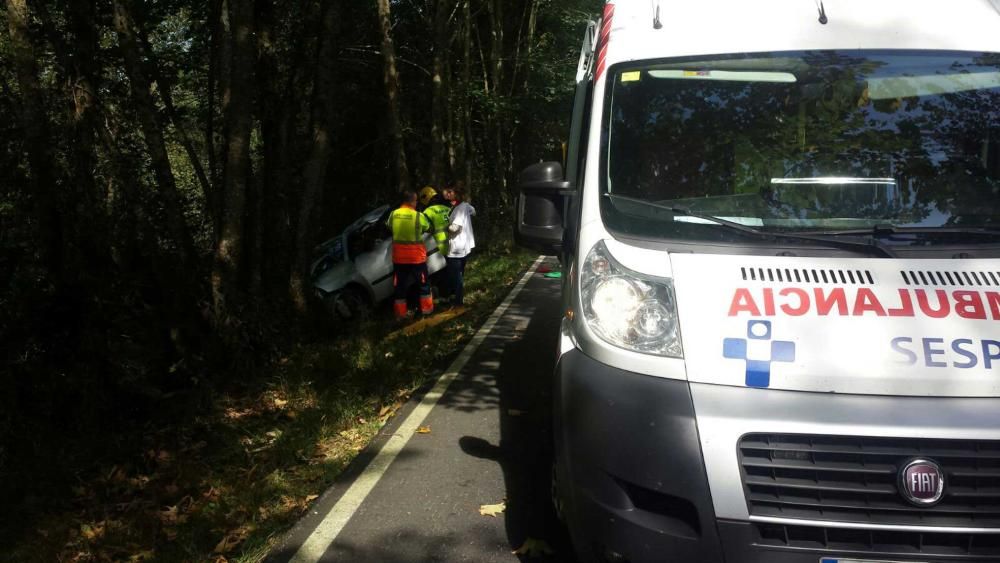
406, 276
456, 275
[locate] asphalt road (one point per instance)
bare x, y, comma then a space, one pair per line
489, 442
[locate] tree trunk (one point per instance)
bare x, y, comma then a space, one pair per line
278, 106
488, 172
392, 91
229, 246
522, 66
266, 106
90, 221
34, 123
214, 25
271, 105
84, 229
224, 58
493, 136
439, 125
164, 87
532, 30
495, 8
466, 103
82, 78
152, 130
525, 40
450, 118
319, 157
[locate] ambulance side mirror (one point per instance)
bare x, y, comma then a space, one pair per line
541, 207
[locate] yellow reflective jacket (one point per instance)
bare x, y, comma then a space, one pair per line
439, 215
408, 226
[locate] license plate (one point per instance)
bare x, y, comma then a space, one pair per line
841, 560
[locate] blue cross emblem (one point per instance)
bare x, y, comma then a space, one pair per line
758, 371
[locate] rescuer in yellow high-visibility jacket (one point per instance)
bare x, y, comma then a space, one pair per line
409, 255
438, 211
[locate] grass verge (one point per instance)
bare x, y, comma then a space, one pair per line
224, 485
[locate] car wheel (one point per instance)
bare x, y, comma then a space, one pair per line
348, 304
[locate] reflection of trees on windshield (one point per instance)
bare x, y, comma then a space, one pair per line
693, 139
962, 139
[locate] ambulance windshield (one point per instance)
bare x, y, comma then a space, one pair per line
814, 141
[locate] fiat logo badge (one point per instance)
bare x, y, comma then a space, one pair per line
921, 482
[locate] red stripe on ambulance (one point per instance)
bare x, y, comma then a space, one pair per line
603, 39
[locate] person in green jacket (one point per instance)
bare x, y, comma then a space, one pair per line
438, 210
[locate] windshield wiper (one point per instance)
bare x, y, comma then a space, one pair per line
872, 248
886, 231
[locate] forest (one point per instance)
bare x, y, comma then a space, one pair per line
168, 168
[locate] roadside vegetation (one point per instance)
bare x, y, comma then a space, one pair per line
225, 483
171, 386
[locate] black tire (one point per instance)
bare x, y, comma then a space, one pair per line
348, 305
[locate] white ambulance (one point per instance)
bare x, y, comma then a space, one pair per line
780, 227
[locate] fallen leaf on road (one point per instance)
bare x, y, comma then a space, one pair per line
534, 548
493, 510
424, 430
311, 498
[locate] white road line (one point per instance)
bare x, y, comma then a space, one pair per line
322, 537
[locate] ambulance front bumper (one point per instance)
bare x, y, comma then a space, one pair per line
629, 466
634, 484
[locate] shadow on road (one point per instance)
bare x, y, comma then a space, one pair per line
523, 389
409, 544
509, 375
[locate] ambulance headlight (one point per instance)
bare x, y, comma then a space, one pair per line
628, 309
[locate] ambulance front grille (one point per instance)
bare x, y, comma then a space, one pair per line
879, 543
807, 275
854, 479
961, 279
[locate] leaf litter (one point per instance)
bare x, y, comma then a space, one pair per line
493, 510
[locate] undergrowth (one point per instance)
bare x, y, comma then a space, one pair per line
241, 466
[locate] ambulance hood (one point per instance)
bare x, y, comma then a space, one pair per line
861, 326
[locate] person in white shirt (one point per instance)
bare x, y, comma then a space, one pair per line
462, 240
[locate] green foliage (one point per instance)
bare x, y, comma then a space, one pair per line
111, 332
239, 468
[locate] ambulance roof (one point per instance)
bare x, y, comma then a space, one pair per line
705, 27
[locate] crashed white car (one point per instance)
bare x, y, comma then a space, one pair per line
353, 270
